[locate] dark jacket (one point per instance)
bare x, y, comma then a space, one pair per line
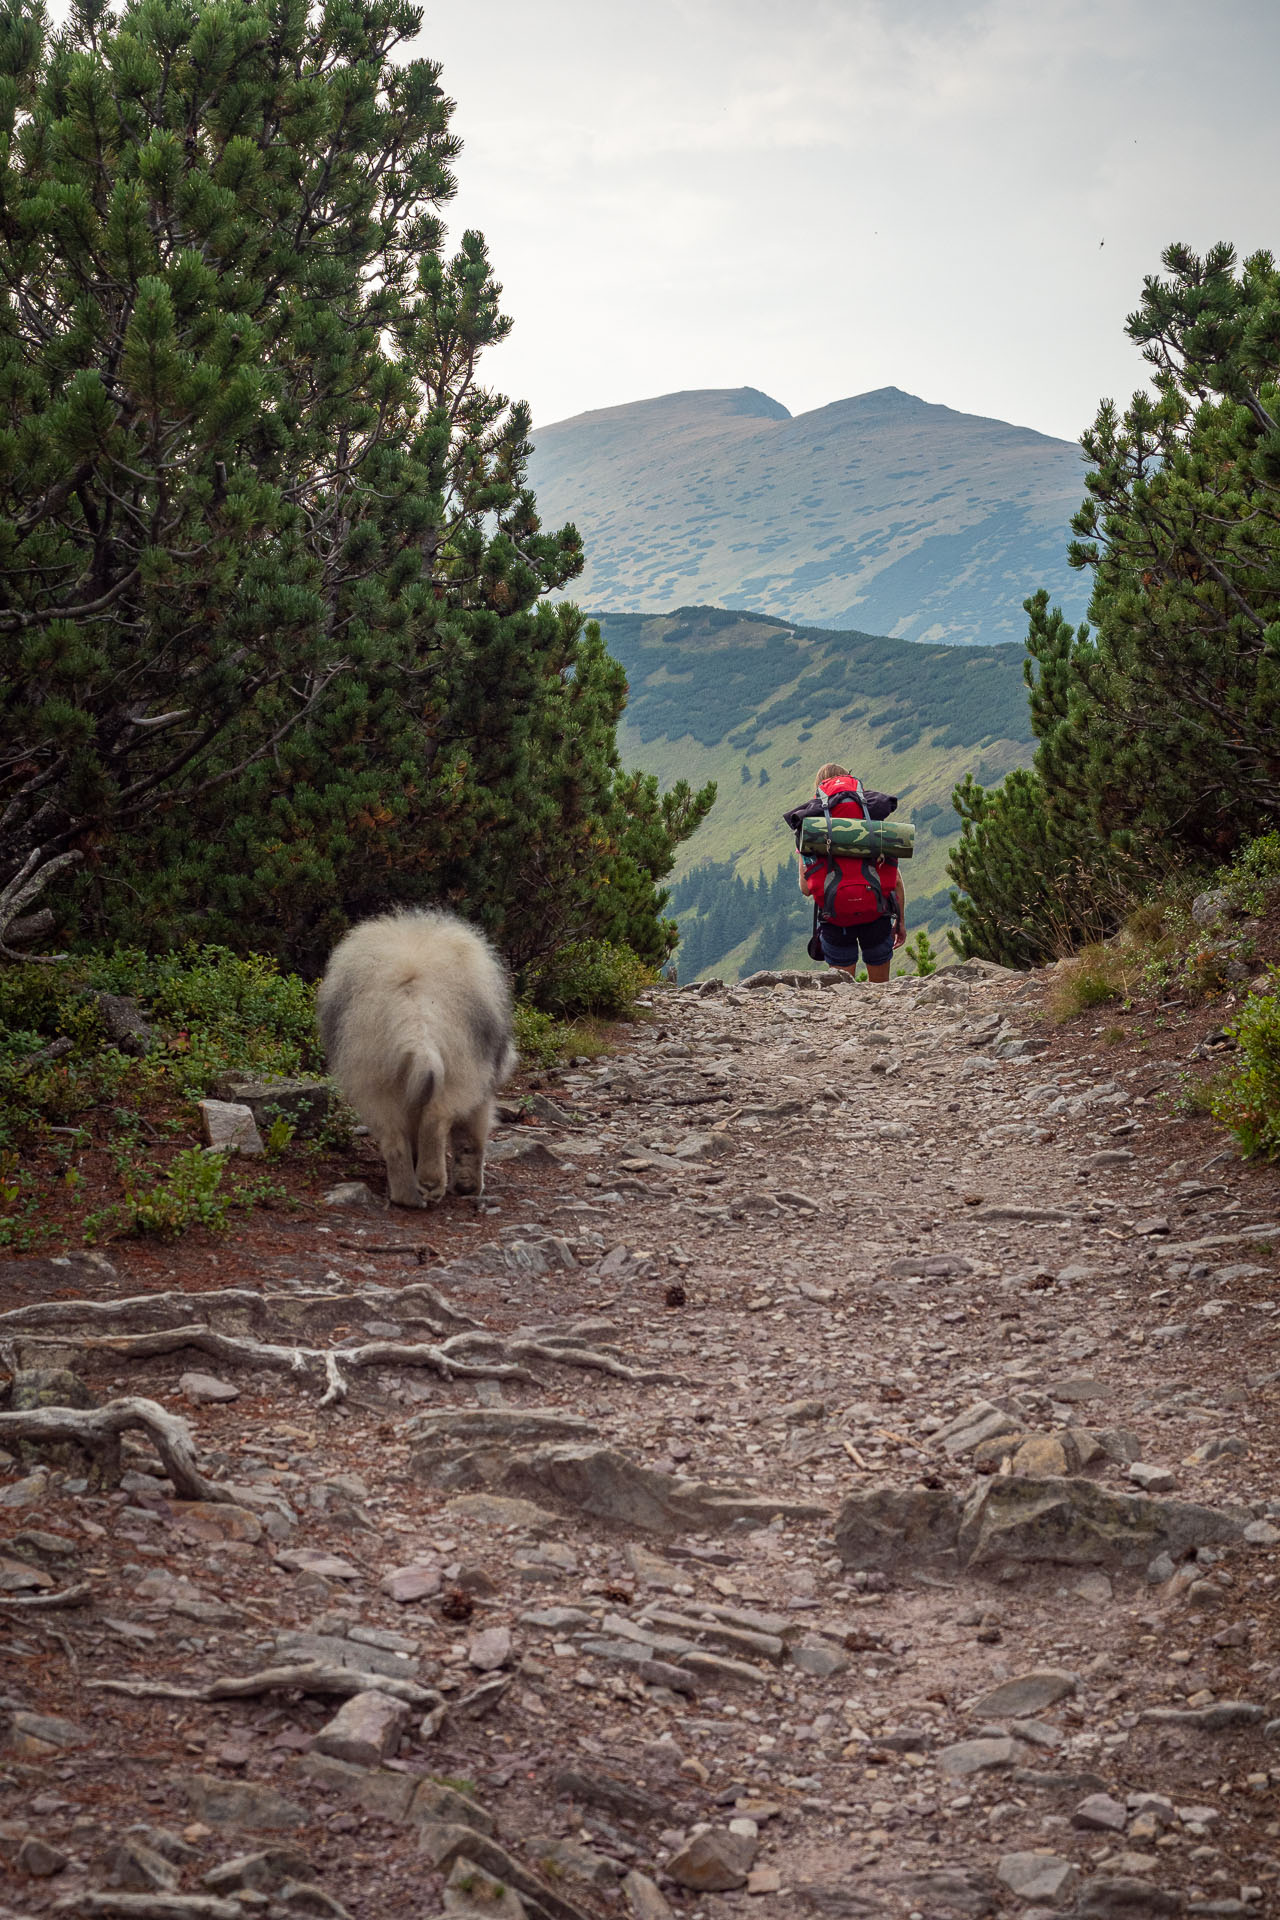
879, 807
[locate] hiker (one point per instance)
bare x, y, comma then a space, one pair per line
857, 904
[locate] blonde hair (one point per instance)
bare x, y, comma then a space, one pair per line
830, 772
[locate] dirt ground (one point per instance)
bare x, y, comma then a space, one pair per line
785, 1252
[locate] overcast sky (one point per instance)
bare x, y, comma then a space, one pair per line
827, 196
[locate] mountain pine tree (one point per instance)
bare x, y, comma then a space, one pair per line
1158, 726
271, 642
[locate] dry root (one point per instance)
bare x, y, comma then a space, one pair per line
448, 1358
304, 1676
144, 1312
47, 1602
153, 1906
565, 1351
98, 1431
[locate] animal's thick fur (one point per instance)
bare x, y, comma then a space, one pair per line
415, 1016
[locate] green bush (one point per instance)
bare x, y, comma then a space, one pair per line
539, 1038
189, 1193
215, 1012
228, 1011
921, 952
1253, 878
591, 976
1247, 1099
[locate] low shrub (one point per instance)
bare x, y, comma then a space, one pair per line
226, 1011
214, 1012
1253, 878
921, 952
540, 1040
191, 1192
589, 977
1247, 1097
189, 1195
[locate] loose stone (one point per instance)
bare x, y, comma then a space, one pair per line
206, 1390
1029, 1693
365, 1731
490, 1649
976, 1756
417, 1582
1038, 1876
1101, 1811
713, 1862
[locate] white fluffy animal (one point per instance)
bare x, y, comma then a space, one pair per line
415, 1016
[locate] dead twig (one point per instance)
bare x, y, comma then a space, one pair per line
68, 1650
98, 1431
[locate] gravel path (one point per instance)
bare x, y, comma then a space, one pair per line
928, 1568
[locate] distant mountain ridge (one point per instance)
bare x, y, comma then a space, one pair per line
882, 512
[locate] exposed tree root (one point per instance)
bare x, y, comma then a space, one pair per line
332, 1362
448, 1358
229, 1347
98, 1431
568, 1354
302, 1676
153, 1906
153, 1311
145, 1308
47, 1602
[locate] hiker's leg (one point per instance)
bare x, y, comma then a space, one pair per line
877, 949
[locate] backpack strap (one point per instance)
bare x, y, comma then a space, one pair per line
870, 871
833, 865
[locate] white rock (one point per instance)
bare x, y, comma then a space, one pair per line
350, 1193
365, 1730
229, 1127
206, 1390
1151, 1479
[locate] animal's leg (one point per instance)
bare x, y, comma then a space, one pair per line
402, 1181
433, 1174
467, 1144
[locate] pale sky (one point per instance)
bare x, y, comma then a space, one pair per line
822, 197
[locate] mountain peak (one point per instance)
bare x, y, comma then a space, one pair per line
689, 404
881, 512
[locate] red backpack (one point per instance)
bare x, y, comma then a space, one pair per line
848, 892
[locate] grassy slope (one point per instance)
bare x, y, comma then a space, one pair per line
745, 825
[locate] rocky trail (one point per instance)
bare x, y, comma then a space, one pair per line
832, 1472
